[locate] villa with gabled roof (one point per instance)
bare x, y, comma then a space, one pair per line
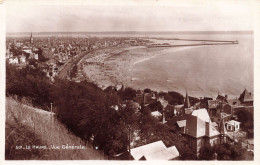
246, 98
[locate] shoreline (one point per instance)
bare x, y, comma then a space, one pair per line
117, 65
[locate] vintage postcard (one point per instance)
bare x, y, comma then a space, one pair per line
128, 81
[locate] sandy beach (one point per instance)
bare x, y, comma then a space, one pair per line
111, 66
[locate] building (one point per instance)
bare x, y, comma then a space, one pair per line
200, 133
13, 60
154, 151
246, 98
222, 98
187, 106
233, 125
31, 39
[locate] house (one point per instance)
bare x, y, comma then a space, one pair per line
13, 60
22, 59
233, 125
200, 133
246, 98
233, 102
144, 98
154, 151
212, 107
222, 98
179, 109
170, 111
33, 56
204, 102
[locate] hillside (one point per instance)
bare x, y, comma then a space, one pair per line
27, 126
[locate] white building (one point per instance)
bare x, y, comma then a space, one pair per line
233, 125
13, 60
155, 151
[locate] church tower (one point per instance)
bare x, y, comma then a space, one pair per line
31, 39
187, 101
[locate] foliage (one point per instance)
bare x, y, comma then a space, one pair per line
26, 125
154, 106
147, 90
88, 111
174, 98
127, 94
246, 119
224, 152
28, 82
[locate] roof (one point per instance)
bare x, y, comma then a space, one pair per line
175, 119
181, 123
202, 114
147, 149
245, 96
166, 154
163, 102
214, 124
237, 108
232, 122
222, 115
188, 110
233, 101
196, 127
156, 114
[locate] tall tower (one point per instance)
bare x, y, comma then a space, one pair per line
187, 101
31, 38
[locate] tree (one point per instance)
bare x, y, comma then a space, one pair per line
206, 153
246, 119
156, 106
147, 90
224, 152
128, 94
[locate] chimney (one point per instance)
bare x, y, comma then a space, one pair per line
207, 128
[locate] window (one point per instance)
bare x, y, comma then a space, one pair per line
229, 127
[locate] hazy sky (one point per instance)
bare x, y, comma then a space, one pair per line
189, 17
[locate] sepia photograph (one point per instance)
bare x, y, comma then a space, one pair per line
114, 81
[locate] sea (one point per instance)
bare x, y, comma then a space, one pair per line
201, 71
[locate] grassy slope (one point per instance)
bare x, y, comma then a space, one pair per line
29, 126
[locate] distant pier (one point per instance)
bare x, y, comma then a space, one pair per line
209, 42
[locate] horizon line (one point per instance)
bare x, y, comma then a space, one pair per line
132, 31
